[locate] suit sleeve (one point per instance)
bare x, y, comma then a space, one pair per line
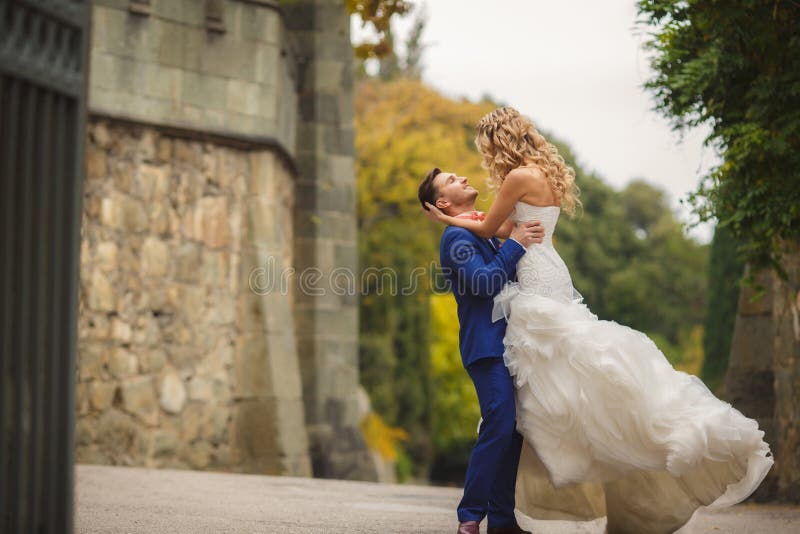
459, 255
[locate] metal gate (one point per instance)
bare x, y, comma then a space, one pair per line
43, 68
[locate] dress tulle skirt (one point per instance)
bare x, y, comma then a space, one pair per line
611, 428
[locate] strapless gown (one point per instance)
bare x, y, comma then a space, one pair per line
611, 428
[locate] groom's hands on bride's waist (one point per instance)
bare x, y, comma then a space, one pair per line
527, 233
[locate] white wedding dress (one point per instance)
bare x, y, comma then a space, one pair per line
611, 428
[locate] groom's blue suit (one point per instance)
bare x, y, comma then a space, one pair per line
478, 269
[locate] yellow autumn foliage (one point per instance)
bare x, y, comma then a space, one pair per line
382, 438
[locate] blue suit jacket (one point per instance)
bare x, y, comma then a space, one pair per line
477, 273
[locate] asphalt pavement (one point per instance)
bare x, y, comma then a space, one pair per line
128, 500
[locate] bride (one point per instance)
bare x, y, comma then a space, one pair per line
612, 429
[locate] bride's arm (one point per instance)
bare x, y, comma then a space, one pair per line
505, 229
511, 191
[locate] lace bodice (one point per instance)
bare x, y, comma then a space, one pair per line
541, 271
547, 215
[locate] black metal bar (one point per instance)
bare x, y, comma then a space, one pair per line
50, 318
41, 315
55, 506
43, 58
69, 311
24, 281
11, 96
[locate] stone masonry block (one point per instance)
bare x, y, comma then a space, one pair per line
347, 109
285, 366
310, 165
277, 310
340, 141
186, 12
255, 431
266, 61
131, 36
259, 24
334, 323
318, 253
333, 45
245, 97
268, 105
250, 124
328, 75
226, 57
253, 378
205, 90
291, 416
300, 16
102, 70
331, 18
344, 176
324, 224
261, 179
346, 255
321, 107
310, 136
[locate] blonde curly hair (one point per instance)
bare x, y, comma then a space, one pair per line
507, 140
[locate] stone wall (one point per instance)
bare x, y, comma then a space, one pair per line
786, 362
326, 239
220, 151
180, 363
763, 379
167, 67
749, 378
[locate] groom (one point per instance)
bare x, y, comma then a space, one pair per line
478, 269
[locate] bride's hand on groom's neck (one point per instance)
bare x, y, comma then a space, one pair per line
435, 214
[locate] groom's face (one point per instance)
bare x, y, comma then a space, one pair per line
453, 190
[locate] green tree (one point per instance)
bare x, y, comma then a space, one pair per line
736, 68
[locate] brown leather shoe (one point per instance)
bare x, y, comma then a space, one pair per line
469, 527
507, 530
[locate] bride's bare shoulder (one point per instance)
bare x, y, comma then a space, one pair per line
531, 178
533, 184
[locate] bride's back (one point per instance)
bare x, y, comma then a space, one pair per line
538, 191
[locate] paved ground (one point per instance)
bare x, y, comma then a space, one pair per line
116, 500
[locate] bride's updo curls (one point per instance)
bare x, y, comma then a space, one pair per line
507, 140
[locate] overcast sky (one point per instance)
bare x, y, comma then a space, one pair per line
577, 68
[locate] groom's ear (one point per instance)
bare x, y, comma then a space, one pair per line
442, 204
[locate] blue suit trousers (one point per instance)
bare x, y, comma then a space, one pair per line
492, 472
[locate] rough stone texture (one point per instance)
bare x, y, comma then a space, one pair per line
786, 314
175, 348
324, 221
749, 379
198, 348
763, 378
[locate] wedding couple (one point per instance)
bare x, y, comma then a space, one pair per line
581, 418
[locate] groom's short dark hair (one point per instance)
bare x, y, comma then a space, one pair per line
428, 191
